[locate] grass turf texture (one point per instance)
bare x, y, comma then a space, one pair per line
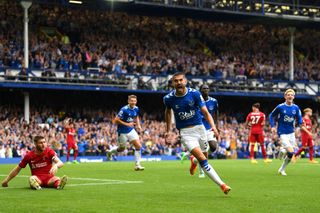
168, 187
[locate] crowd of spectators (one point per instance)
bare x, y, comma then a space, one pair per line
96, 134
73, 39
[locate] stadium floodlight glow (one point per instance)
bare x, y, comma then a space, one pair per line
75, 2
26, 4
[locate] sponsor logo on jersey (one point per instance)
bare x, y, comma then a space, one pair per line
288, 118
186, 115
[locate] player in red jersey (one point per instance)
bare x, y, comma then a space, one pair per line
71, 142
306, 136
256, 120
44, 164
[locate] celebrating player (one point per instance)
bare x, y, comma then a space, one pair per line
186, 104
212, 106
306, 136
44, 164
71, 142
128, 119
286, 113
256, 121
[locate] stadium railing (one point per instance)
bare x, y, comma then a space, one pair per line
260, 7
159, 83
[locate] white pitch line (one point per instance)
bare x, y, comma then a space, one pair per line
105, 183
95, 179
91, 179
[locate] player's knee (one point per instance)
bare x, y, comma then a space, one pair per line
290, 154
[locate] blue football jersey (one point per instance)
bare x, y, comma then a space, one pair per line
286, 116
128, 115
212, 106
186, 108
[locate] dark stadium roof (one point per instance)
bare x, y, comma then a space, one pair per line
150, 9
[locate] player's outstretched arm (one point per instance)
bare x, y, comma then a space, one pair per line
11, 175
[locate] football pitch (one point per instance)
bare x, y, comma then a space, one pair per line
167, 187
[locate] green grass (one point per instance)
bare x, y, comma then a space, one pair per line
168, 187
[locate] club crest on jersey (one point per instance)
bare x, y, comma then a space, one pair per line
191, 103
177, 106
210, 107
294, 112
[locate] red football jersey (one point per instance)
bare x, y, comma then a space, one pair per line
39, 164
256, 119
71, 132
308, 124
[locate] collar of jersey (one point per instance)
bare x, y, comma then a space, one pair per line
285, 103
130, 107
181, 95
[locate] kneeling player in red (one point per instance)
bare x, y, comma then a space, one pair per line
44, 164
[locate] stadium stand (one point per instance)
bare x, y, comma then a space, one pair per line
96, 133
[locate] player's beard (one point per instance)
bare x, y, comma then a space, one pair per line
180, 89
40, 149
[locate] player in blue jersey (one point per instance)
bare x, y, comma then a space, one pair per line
287, 114
212, 106
187, 105
127, 120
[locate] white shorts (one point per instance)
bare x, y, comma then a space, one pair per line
288, 140
130, 136
210, 135
193, 137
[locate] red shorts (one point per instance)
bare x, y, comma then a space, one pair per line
256, 138
307, 141
72, 145
44, 179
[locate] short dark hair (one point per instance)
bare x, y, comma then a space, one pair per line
178, 73
256, 105
203, 86
37, 138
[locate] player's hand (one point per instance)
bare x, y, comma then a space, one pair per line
53, 170
139, 129
273, 130
4, 184
131, 124
216, 133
